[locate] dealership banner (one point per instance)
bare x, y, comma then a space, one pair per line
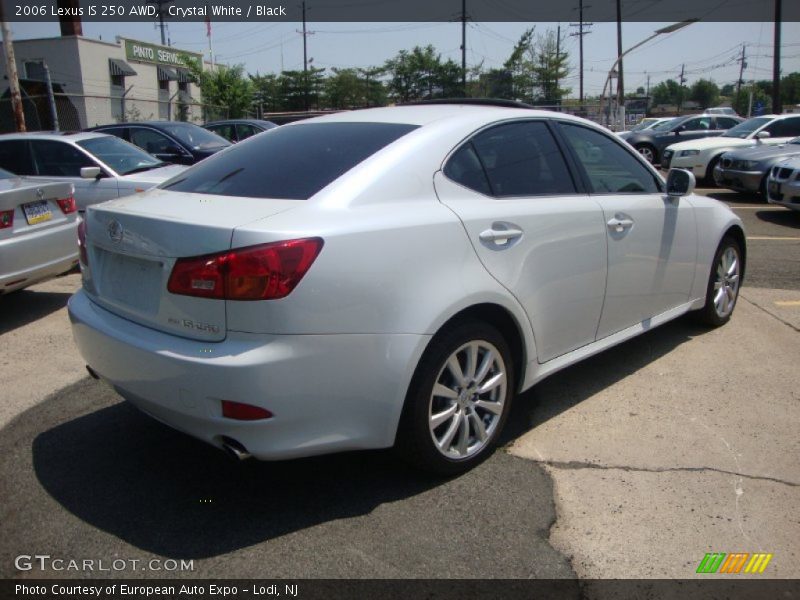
390, 589
405, 10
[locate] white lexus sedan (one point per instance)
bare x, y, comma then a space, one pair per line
390, 277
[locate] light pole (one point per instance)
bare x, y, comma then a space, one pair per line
668, 29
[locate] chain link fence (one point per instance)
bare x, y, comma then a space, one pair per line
75, 112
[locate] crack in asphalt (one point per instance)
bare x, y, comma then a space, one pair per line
577, 465
774, 316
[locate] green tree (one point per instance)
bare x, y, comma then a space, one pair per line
267, 94
705, 93
421, 74
549, 67
790, 88
223, 86
742, 102
669, 92
518, 66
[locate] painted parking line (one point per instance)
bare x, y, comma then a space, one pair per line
773, 238
787, 303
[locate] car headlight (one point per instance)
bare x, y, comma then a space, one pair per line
689, 152
748, 165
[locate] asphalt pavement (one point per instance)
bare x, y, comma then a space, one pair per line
680, 442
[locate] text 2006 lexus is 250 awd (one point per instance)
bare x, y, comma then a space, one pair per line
390, 277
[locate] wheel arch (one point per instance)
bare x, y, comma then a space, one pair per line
737, 233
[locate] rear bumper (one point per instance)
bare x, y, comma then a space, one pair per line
327, 393
37, 255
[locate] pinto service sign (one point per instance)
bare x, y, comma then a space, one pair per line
153, 53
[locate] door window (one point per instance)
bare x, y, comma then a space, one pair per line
465, 168
784, 127
244, 131
14, 157
726, 122
698, 124
519, 159
225, 131
609, 167
152, 141
59, 159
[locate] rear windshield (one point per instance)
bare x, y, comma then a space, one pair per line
288, 162
194, 136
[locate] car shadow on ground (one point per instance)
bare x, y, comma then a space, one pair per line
785, 218
26, 306
125, 474
736, 197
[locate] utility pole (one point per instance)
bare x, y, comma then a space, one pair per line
681, 81
464, 46
51, 97
742, 67
305, 60
580, 33
777, 105
647, 97
160, 4
558, 55
11, 70
620, 85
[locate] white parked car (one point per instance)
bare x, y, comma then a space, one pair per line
783, 184
701, 156
390, 276
100, 166
37, 231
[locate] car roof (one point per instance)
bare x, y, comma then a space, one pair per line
227, 121
54, 135
421, 115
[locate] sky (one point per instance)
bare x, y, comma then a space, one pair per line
708, 50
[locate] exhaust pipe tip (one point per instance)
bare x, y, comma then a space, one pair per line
235, 449
92, 372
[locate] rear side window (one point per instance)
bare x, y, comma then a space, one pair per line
290, 162
14, 157
726, 122
519, 159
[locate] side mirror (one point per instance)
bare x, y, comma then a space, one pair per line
680, 182
762, 135
91, 172
679, 129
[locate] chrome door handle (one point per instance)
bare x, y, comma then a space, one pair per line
620, 225
499, 235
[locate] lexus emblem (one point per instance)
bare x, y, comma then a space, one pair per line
115, 231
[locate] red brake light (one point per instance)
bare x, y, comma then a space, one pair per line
82, 242
244, 412
263, 272
67, 205
6, 219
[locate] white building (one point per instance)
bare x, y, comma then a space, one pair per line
97, 82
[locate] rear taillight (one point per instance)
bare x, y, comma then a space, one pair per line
82, 242
67, 205
6, 219
244, 412
263, 272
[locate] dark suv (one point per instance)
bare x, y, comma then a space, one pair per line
170, 141
650, 143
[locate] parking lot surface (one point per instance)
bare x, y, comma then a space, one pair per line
680, 442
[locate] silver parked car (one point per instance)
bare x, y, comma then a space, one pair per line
100, 166
746, 169
783, 185
391, 277
37, 231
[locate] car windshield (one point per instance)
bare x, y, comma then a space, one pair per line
663, 126
118, 154
742, 130
795, 141
293, 162
6, 174
194, 136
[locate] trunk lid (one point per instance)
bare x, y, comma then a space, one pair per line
133, 243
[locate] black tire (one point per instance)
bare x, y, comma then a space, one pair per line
710, 315
708, 181
649, 153
415, 436
762, 189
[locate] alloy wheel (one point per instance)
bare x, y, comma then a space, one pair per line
726, 283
